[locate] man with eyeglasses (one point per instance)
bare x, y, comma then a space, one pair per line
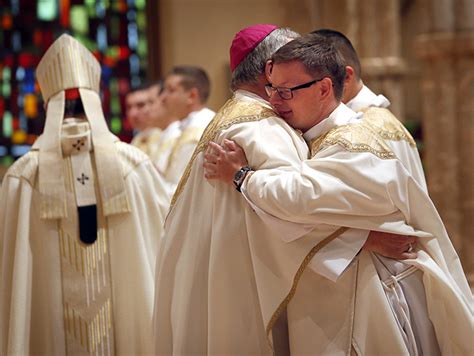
353, 179
211, 273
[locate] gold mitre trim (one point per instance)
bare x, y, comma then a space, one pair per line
67, 64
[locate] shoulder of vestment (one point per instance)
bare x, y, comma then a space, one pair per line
387, 125
357, 137
129, 156
25, 167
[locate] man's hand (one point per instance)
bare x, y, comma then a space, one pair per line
222, 162
398, 247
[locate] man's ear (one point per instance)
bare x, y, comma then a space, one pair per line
268, 69
326, 88
193, 96
350, 75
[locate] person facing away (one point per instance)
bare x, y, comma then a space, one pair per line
354, 179
221, 271
184, 97
80, 221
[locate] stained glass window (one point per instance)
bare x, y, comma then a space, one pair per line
114, 30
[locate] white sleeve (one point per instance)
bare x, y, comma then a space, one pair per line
334, 258
340, 188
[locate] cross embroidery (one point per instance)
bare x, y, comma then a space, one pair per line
80, 142
82, 179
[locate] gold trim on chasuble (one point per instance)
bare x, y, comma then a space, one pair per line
86, 283
233, 112
189, 135
296, 279
357, 137
387, 125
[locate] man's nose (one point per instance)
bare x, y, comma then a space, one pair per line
274, 97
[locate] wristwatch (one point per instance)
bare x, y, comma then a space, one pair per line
239, 176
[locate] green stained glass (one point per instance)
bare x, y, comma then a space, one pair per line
90, 3
114, 86
47, 10
90, 44
113, 51
141, 21
115, 105
114, 29
7, 124
6, 89
142, 49
140, 4
116, 125
79, 19
7, 74
6, 161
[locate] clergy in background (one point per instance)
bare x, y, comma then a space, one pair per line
80, 220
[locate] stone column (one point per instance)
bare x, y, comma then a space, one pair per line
447, 53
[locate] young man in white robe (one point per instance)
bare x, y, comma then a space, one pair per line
184, 97
215, 248
353, 179
80, 220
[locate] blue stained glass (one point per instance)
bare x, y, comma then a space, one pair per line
106, 74
131, 15
100, 9
23, 121
102, 37
20, 150
134, 64
16, 41
20, 74
15, 8
135, 81
20, 100
130, 3
132, 35
3, 151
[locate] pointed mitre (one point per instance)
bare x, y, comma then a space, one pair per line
67, 64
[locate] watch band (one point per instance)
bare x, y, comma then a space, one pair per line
239, 177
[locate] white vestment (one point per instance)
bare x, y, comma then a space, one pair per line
221, 272
165, 146
355, 180
147, 141
191, 129
62, 296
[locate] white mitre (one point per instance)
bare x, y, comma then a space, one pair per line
67, 64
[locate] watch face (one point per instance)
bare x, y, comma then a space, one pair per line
239, 174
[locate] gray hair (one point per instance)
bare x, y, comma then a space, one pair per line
254, 64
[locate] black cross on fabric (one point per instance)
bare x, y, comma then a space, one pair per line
78, 144
82, 179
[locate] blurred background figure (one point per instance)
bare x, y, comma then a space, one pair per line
136, 108
184, 97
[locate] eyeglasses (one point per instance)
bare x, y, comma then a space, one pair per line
287, 93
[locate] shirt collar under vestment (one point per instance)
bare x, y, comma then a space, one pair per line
342, 115
366, 98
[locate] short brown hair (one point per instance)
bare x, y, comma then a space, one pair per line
194, 77
319, 57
